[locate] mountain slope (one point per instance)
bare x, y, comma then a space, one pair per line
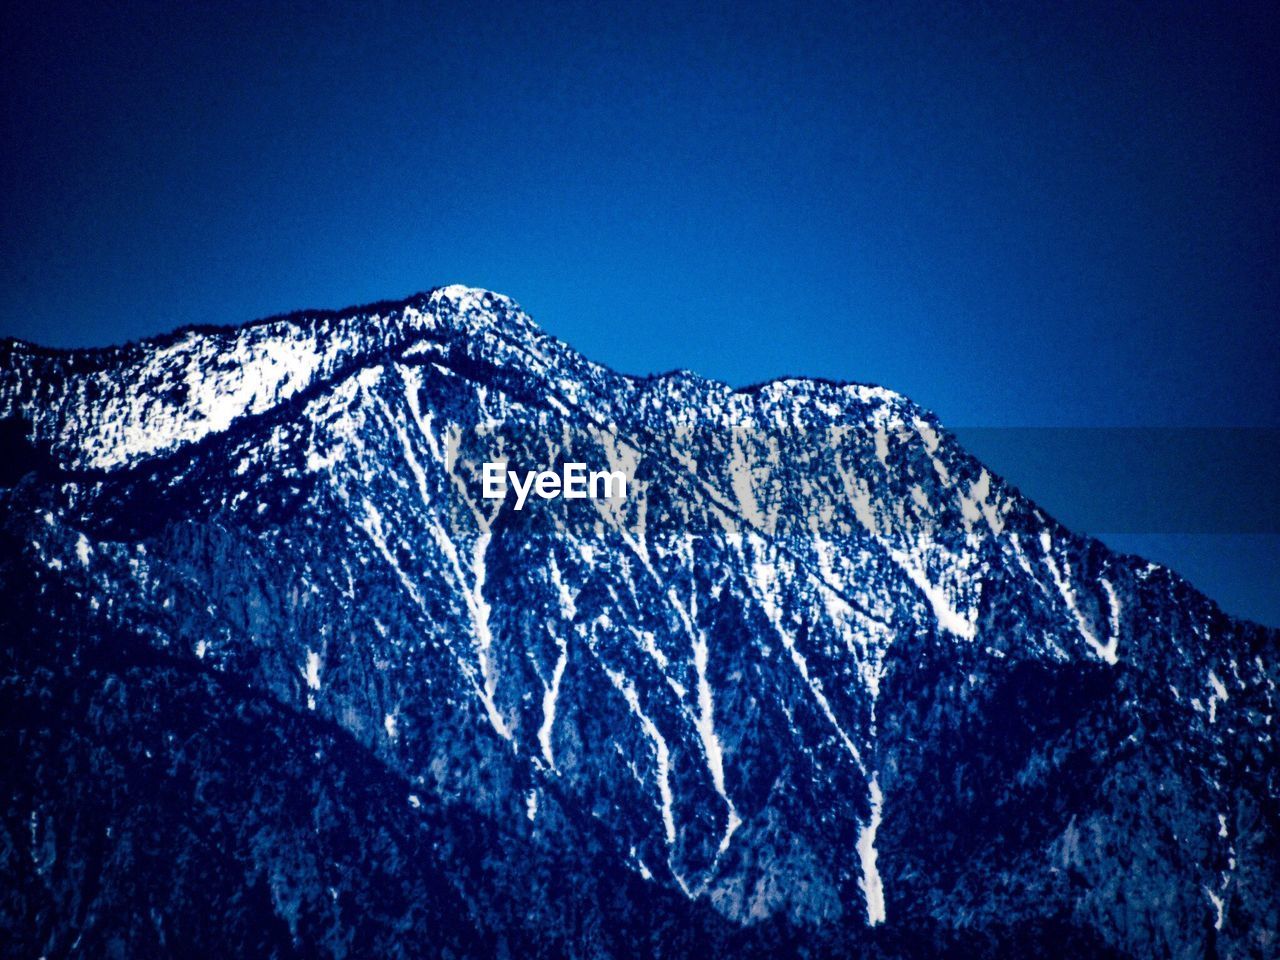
820, 679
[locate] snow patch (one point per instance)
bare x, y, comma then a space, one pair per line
1219, 695
872, 886
1107, 651
767, 591
1219, 908
661, 753
312, 671
948, 617
740, 474
550, 693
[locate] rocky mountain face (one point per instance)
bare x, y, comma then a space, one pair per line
277, 680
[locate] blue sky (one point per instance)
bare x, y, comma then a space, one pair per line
1016, 215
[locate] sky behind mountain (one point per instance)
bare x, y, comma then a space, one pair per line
1052, 217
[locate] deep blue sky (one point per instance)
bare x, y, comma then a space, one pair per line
1015, 215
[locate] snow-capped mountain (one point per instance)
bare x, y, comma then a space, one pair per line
278, 680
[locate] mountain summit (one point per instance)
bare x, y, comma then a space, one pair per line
279, 680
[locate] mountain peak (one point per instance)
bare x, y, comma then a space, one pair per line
119, 406
818, 670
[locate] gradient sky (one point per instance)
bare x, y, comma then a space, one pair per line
1015, 215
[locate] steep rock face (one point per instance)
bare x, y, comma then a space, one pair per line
279, 677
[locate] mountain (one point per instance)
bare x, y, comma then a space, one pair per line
278, 680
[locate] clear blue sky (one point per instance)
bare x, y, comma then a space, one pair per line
1016, 215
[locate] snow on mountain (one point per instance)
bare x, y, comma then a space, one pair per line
280, 680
